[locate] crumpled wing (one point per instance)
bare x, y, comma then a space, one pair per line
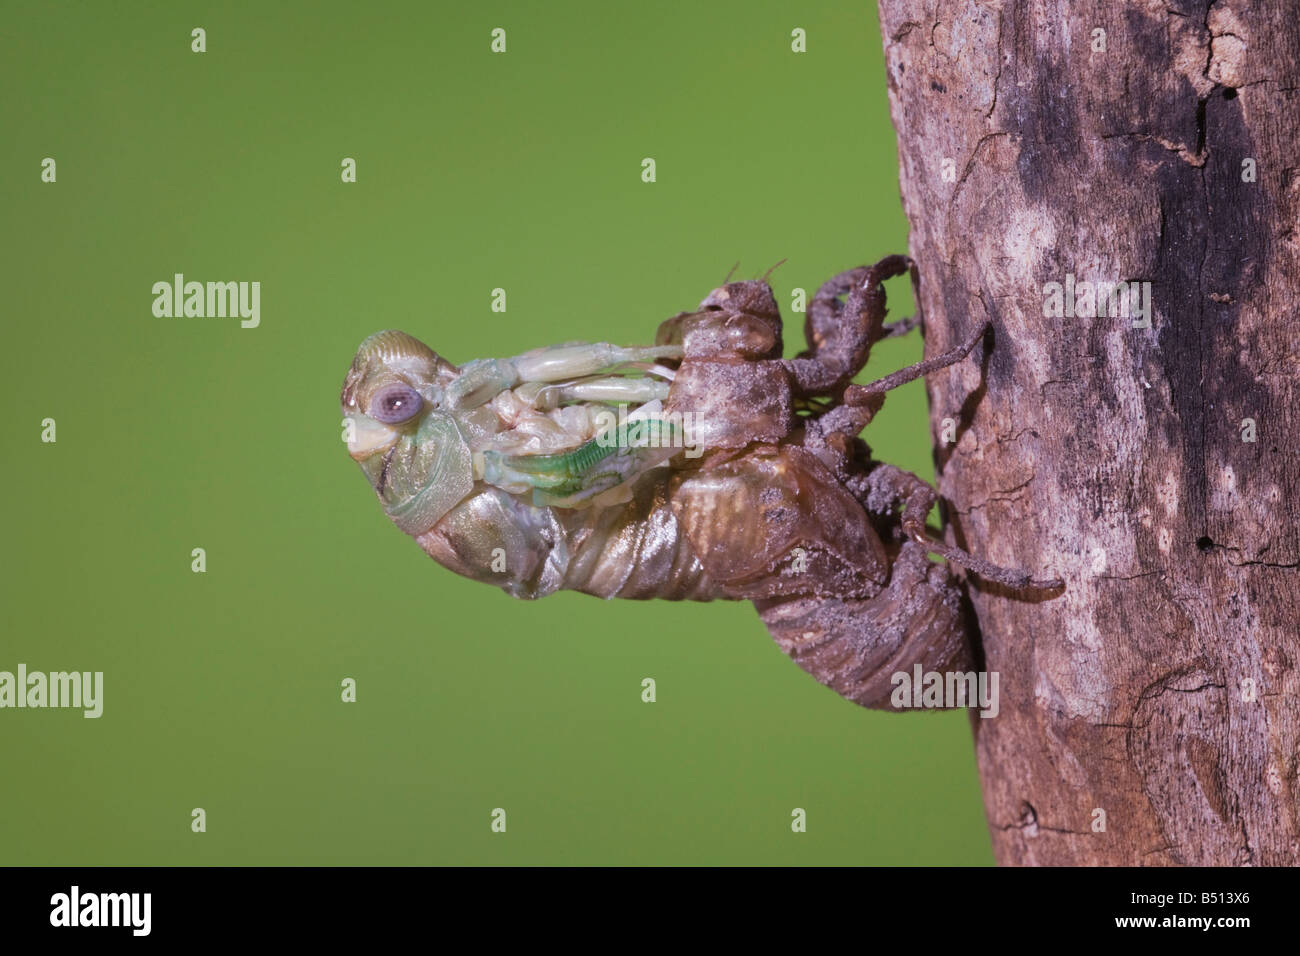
612, 460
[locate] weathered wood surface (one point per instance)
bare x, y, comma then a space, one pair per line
1161, 687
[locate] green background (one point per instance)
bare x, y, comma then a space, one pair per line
475, 171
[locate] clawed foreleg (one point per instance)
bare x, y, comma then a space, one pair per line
887, 486
840, 337
863, 394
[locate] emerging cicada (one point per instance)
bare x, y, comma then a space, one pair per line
704, 466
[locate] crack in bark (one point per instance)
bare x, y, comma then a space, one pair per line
1127, 577
970, 163
906, 27
1001, 494
1179, 149
998, 75
1029, 822
1218, 546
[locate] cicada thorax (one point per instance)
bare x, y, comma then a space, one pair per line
731, 382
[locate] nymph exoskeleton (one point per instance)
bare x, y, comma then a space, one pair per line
704, 466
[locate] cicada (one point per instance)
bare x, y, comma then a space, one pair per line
705, 466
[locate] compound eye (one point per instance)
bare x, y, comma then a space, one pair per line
394, 404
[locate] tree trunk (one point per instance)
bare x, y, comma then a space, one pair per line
1149, 713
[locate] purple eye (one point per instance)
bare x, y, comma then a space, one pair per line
395, 403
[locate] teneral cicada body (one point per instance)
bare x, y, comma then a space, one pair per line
705, 466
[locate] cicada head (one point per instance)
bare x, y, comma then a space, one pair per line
406, 441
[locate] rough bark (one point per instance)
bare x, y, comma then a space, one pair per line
1161, 686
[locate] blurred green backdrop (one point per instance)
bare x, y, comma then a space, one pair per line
474, 171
